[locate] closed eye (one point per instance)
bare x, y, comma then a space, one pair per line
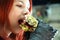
19, 5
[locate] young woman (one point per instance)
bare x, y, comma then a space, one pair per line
11, 11
14, 11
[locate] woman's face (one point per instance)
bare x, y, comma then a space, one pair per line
18, 12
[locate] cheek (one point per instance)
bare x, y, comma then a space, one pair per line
15, 12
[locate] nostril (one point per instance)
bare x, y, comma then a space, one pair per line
25, 13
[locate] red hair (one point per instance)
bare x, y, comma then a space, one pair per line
5, 6
30, 9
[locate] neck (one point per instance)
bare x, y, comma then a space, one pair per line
7, 31
4, 31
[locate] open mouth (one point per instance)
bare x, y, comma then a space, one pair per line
20, 21
25, 26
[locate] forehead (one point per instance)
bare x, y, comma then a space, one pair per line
26, 2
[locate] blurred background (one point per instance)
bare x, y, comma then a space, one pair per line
49, 12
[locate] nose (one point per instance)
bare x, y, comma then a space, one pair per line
25, 11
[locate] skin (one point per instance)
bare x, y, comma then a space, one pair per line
18, 12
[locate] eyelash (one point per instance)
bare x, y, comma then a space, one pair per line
19, 5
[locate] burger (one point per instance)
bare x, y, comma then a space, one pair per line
30, 24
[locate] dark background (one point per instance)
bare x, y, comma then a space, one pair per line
44, 2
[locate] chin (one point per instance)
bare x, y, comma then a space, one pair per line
16, 31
